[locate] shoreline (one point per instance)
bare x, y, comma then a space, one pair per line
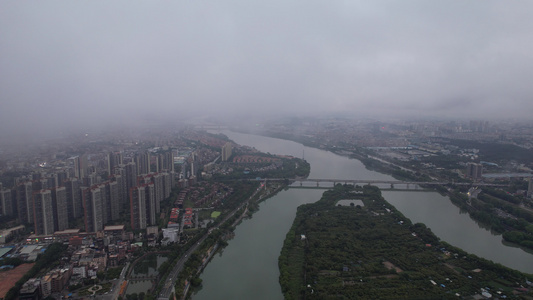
382, 166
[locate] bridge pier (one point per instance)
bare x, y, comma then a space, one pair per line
408, 186
317, 184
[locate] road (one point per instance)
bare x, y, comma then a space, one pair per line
168, 287
113, 294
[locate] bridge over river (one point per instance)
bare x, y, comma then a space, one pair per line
318, 181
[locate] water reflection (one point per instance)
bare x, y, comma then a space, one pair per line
144, 274
249, 270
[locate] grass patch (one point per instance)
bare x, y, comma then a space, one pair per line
215, 214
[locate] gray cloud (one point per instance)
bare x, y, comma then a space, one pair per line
85, 62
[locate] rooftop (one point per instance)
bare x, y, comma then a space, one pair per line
114, 227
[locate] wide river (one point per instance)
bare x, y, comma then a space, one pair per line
248, 266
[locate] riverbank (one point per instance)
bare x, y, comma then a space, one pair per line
249, 267
488, 211
372, 251
193, 283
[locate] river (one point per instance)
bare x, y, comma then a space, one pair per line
248, 266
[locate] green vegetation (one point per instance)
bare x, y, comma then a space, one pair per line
490, 208
394, 171
10, 261
494, 151
374, 252
283, 168
47, 260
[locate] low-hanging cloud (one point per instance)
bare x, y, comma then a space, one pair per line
77, 63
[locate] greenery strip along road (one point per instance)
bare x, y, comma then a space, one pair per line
115, 293
168, 286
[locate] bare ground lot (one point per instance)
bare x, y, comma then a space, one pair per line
9, 278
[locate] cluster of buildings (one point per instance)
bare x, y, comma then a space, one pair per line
97, 194
207, 194
327, 132
88, 254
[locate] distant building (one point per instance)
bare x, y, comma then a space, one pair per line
60, 208
142, 160
24, 202
474, 171
43, 212
122, 189
114, 159
131, 175
74, 203
138, 207
6, 203
111, 202
93, 209
164, 162
530, 188
151, 206
479, 126
80, 165
226, 151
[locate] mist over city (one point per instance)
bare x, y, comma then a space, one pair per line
76, 65
266, 150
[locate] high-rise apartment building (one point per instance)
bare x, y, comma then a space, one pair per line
40, 184
131, 175
80, 165
60, 208
114, 159
61, 177
25, 202
138, 207
6, 203
167, 184
43, 212
474, 171
74, 201
52, 181
165, 162
158, 181
142, 160
111, 201
152, 205
122, 188
226, 151
93, 209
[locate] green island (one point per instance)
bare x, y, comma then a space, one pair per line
352, 244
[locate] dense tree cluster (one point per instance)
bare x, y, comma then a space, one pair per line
374, 252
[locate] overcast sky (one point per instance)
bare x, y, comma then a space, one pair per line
73, 63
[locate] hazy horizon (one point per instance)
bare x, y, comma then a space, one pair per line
72, 65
